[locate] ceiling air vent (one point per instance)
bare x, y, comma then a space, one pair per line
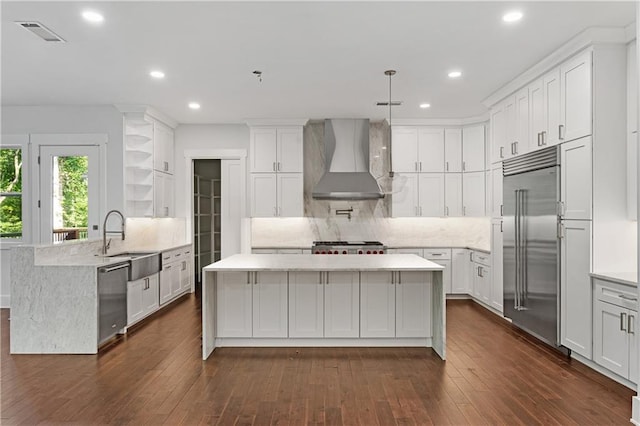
41, 31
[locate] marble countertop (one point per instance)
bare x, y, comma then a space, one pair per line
310, 262
97, 261
626, 278
388, 247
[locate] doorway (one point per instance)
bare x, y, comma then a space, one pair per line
207, 200
69, 192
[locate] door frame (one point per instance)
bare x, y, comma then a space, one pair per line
187, 185
77, 139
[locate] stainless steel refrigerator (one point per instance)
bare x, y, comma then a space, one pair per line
531, 247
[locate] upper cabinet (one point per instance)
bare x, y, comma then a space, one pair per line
453, 150
575, 98
276, 149
473, 148
418, 149
276, 165
163, 157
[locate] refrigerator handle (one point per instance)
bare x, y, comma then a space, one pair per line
516, 299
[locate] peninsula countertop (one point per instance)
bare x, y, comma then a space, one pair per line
311, 262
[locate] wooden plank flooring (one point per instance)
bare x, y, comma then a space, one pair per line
493, 375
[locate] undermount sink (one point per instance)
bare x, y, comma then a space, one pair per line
141, 264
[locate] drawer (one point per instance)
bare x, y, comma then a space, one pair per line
175, 255
482, 258
437, 254
616, 294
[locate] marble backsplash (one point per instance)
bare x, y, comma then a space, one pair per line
370, 219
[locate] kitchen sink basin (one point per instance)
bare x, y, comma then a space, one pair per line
141, 264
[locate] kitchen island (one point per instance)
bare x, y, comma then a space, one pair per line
315, 300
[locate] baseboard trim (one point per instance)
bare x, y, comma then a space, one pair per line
322, 342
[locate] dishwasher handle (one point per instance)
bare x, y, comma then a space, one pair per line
114, 268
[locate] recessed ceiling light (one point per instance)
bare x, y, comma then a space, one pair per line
425, 105
194, 105
156, 74
455, 74
513, 16
92, 16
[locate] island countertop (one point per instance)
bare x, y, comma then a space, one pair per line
311, 262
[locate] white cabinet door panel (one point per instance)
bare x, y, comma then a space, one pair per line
234, 304
150, 294
498, 133
575, 286
461, 271
290, 195
270, 304
576, 189
405, 202
446, 274
473, 187
496, 266
496, 191
413, 304
522, 122
263, 148
552, 108
473, 146
289, 150
263, 194
405, 149
165, 283
431, 194
377, 305
633, 348
453, 150
306, 304
610, 335
576, 99
453, 194
135, 304
511, 127
536, 114
430, 150
342, 304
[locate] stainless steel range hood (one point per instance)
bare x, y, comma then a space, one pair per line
346, 152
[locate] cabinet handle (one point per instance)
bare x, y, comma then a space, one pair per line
501, 227
446, 209
184, 265
623, 317
421, 166
512, 149
633, 299
415, 166
470, 257
248, 278
516, 145
326, 278
630, 321
393, 278
544, 137
279, 164
539, 139
464, 166
319, 278
501, 209
446, 166
561, 131
502, 152
273, 166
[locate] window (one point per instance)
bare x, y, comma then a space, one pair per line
11, 193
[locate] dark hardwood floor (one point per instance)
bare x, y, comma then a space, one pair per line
493, 375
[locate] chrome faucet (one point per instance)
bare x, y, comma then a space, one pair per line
105, 245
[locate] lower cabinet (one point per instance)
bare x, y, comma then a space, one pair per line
377, 304
461, 271
482, 283
234, 304
614, 329
269, 311
342, 304
413, 304
575, 287
497, 296
306, 304
176, 276
142, 298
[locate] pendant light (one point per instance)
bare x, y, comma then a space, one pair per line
391, 182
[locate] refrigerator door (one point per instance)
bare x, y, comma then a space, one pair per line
531, 273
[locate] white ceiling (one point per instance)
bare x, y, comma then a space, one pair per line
318, 59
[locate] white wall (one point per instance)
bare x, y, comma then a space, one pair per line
58, 120
202, 137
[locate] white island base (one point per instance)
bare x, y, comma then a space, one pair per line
314, 300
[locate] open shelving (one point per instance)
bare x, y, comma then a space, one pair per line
138, 164
206, 215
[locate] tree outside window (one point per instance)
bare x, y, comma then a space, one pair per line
11, 193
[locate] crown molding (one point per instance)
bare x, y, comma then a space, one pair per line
148, 110
440, 121
588, 37
276, 122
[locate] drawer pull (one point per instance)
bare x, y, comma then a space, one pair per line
623, 317
633, 299
630, 321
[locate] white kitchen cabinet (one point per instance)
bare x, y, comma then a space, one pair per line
461, 271
176, 275
511, 127
163, 203
163, 148
276, 149
482, 283
270, 299
453, 150
473, 148
431, 190
306, 304
473, 195
142, 298
166, 277
496, 190
521, 143
441, 257
234, 297
413, 303
377, 304
615, 322
498, 132
576, 187
552, 109
453, 194
575, 286
431, 150
575, 98
405, 149
497, 296
342, 304
185, 275
277, 194
536, 114
422, 195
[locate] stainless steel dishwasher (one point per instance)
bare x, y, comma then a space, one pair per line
112, 300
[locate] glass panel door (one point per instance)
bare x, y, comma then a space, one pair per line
69, 193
